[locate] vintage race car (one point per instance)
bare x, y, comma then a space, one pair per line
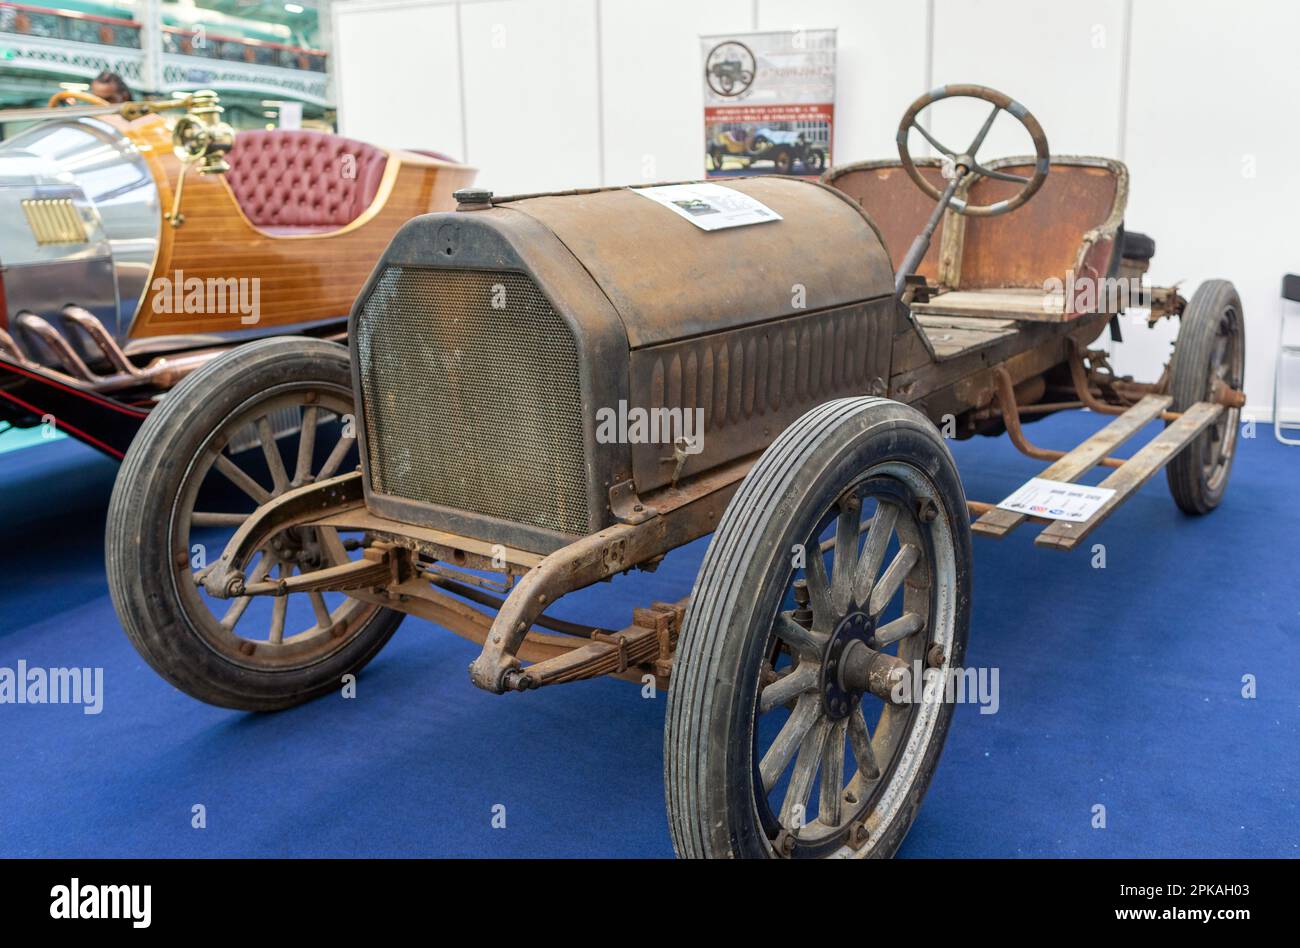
134, 249
477, 457
783, 148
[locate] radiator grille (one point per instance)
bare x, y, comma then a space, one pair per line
471, 405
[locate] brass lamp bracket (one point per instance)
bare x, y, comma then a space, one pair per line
174, 216
200, 138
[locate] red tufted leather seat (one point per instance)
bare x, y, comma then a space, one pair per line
290, 181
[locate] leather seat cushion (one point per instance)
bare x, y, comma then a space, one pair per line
303, 181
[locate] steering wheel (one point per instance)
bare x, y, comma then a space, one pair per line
68, 96
966, 160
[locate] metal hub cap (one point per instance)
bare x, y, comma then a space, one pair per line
838, 697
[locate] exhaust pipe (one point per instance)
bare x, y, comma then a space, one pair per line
100, 336
162, 373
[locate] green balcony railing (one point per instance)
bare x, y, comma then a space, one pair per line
25, 20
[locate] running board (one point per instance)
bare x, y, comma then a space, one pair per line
1126, 479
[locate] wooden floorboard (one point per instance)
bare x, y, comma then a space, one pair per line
1080, 460
1014, 304
1136, 471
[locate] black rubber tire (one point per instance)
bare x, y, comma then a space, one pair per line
708, 745
1137, 246
139, 530
1214, 309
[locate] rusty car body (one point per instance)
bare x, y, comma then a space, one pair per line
484, 346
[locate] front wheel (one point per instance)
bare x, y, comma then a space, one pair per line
842, 561
255, 422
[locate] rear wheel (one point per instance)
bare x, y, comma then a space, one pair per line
255, 422
844, 555
1209, 354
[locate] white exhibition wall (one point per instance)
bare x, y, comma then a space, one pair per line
1197, 96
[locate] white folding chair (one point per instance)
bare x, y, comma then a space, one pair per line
1286, 351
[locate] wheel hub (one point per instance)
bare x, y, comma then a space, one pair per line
838, 699
295, 546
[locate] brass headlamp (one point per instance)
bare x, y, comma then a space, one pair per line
200, 138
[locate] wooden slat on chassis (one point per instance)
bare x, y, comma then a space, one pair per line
1063, 535
1080, 460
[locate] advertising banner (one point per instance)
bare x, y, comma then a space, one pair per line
769, 102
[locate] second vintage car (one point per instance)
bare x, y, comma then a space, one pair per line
134, 249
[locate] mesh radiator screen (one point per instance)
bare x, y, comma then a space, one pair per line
471, 399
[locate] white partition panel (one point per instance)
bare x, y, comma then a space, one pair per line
1212, 146
397, 74
653, 79
532, 93
880, 64
1064, 61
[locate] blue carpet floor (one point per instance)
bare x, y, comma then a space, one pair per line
1119, 686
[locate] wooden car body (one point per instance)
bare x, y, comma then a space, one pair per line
114, 290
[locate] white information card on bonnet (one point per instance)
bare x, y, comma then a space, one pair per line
710, 206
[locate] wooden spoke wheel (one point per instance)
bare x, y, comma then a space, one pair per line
843, 561
256, 422
1209, 357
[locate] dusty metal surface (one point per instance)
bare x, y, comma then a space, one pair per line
1070, 225
647, 645
505, 383
750, 383
896, 204
668, 279
291, 509
498, 245
593, 558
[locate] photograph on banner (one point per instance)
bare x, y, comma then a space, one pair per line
769, 102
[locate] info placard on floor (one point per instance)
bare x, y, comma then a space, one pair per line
1057, 500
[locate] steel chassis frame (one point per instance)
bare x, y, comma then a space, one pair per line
393, 571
